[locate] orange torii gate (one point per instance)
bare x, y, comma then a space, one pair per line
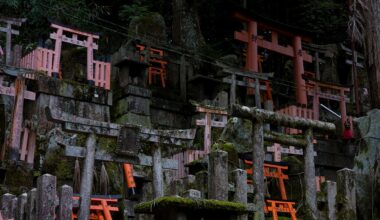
48, 60
253, 40
100, 208
19, 150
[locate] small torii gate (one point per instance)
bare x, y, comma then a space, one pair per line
208, 123
253, 40
9, 31
258, 118
127, 152
18, 152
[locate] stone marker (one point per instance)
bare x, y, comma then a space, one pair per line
241, 189
158, 187
31, 210
309, 177
6, 205
65, 202
330, 197
21, 206
192, 194
218, 175
346, 194
46, 196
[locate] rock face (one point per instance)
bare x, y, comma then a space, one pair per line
148, 26
366, 165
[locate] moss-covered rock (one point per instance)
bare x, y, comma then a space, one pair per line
189, 204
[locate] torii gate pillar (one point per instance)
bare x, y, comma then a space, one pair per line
251, 61
299, 71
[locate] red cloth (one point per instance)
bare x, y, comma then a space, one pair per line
347, 134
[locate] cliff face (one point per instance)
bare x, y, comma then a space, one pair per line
367, 165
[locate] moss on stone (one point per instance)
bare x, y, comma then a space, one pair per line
190, 204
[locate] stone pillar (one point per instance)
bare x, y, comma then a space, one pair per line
310, 184
346, 194
65, 202
241, 189
330, 199
46, 195
31, 211
218, 175
87, 178
21, 206
201, 182
158, 187
258, 156
6, 205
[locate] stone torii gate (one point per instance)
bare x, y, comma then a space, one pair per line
129, 139
9, 32
258, 118
253, 40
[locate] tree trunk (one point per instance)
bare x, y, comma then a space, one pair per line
186, 28
373, 49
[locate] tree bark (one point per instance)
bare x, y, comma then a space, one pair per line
186, 28
372, 43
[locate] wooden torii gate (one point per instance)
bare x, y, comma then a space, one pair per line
258, 118
253, 40
14, 140
129, 137
9, 32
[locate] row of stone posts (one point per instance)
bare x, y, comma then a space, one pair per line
39, 203
340, 196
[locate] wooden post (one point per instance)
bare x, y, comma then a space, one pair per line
299, 71
251, 60
65, 202
218, 175
31, 211
257, 93
17, 119
21, 207
258, 156
57, 50
241, 189
87, 178
309, 175
233, 90
90, 57
342, 107
158, 188
316, 103
46, 195
183, 77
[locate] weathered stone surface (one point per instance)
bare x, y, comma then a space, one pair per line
148, 26
31, 211
193, 194
309, 177
346, 195
218, 175
241, 189
367, 130
65, 202
73, 91
134, 104
6, 205
46, 196
21, 207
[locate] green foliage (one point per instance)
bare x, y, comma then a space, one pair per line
137, 8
